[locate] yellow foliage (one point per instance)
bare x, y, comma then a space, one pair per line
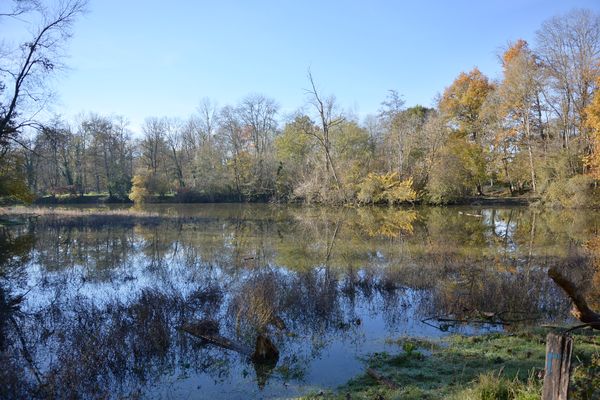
139, 189
386, 188
592, 120
388, 223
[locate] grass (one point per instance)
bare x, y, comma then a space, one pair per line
500, 366
70, 212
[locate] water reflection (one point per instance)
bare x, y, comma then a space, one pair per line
92, 307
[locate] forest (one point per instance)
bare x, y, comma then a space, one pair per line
532, 132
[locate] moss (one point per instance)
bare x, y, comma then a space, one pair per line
495, 366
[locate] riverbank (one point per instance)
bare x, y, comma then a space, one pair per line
496, 201
499, 366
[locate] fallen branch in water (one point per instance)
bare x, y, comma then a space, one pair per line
581, 310
207, 330
200, 332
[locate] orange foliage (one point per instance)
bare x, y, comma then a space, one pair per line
594, 247
514, 51
463, 99
592, 120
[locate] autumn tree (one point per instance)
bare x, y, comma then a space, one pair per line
461, 102
520, 106
139, 188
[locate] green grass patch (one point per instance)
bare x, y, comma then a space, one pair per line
499, 366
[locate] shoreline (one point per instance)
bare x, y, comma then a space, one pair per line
103, 199
507, 365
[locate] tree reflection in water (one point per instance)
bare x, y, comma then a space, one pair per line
93, 309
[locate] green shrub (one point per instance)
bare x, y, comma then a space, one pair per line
579, 191
458, 171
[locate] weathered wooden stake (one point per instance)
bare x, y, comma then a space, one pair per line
558, 367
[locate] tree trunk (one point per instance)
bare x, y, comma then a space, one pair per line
530, 153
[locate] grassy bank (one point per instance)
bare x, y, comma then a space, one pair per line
493, 199
494, 366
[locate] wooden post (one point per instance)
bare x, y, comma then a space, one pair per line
558, 367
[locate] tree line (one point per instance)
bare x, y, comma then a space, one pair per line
534, 130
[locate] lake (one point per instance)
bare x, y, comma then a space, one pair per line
93, 308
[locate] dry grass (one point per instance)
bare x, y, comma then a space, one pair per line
73, 213
93, 217
255, 306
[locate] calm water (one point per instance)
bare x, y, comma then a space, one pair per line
93, 309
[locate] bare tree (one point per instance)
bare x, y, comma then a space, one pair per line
569, 49
230, 132
174, 139
153, 144
23, 71
257, 113
18, 8
208, 118
329, 119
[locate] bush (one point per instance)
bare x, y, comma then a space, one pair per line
386, 188
457, 172
321, 190
579, 191
492, 386
139, 190
557, 165
13, 180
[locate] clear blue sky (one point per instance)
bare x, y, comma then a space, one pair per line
159, 58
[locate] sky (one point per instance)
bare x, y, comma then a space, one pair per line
160, 58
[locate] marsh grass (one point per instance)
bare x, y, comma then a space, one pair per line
92, 216
255, 305
73, 212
